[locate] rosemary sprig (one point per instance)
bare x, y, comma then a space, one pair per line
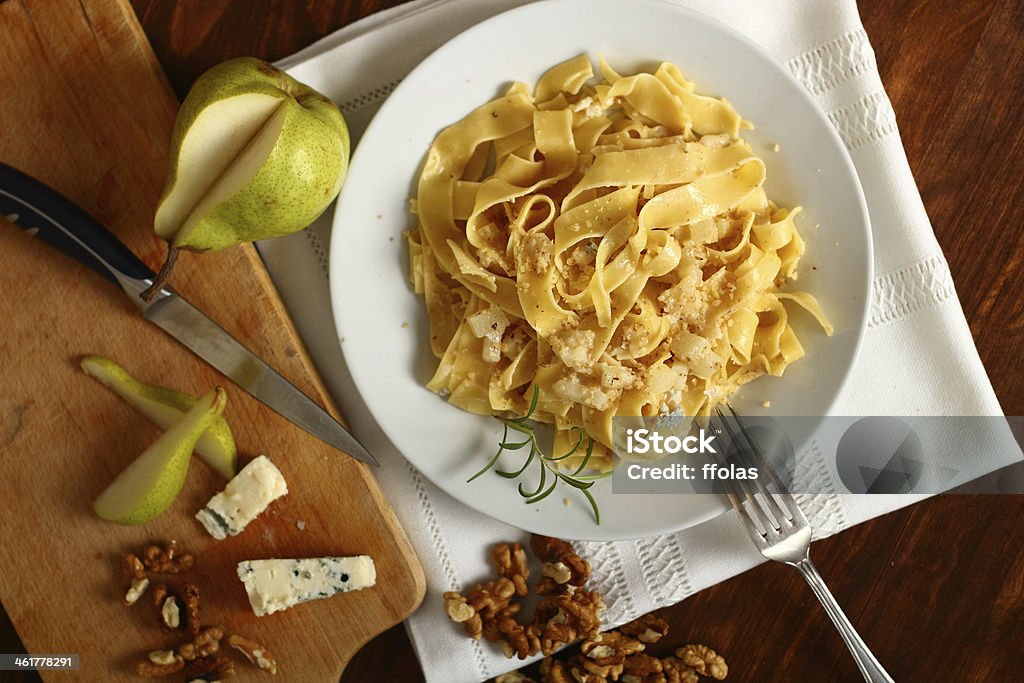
548, 463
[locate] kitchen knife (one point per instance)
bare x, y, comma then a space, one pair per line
57, 221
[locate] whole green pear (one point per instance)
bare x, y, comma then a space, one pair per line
254, 154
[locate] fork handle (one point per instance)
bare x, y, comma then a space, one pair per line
866, 662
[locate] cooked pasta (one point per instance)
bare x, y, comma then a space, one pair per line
608, 244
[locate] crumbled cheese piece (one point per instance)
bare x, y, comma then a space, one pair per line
489, 325
614, 375
573, 347
582, 104
514, 342
715, 141
243, 499
571, 389
537, 251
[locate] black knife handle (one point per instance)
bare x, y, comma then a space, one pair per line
42, 211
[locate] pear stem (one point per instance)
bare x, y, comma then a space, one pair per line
161, 277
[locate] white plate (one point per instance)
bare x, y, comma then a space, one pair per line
384, 323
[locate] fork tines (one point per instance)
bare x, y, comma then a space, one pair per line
770, 513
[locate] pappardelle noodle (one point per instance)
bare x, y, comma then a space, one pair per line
610, 245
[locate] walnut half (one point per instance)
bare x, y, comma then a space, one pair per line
135, 573
160, 663
204, 645
168, 559
190, 599
642, 668
458, 610
703, 660
209, 669
170, 612
561, 563
254, 652
647, 629
510, 562
513, 677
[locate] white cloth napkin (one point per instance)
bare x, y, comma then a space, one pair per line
918, 356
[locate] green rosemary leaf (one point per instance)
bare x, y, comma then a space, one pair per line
586, 458
489, 465
575, 483
543, 479
579, 442
508, 474
521, 428
593, 506
494, 458
593, 477
544, 494
533, 401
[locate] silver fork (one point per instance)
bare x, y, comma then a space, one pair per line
781, 533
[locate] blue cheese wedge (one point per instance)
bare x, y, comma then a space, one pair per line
275, 585
243, 499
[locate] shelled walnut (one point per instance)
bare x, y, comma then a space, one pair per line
513, 677
510, 561
619, 655
605, 654
703, 660
160, 663
562, 619
642, 668
676, 671
206, 643
565, 613
209, 669
561, 563
554, 671
254, 652
190, 601
168, 559
647, 629
170, 613
138, 582
178, 609
457, 607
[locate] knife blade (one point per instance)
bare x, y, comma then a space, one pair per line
57, 221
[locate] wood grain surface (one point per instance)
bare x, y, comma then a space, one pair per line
86, 108
937, 590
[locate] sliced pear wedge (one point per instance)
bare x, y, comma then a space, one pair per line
216, 446
216, 137
152, 481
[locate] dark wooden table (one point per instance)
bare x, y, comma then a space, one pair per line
937, 590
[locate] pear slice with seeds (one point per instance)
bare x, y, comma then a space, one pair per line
216, 446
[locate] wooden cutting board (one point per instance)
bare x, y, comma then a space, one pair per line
84, 107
